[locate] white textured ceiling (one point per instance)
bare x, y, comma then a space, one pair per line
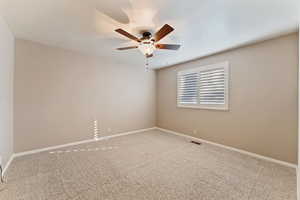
202, 27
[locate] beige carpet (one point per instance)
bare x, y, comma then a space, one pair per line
149, 165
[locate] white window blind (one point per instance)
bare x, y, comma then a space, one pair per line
204, 87
188, 88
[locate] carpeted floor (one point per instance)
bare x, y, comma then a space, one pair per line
149, 165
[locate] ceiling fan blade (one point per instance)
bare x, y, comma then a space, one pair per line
168, 46
165, 30
125, 48
126, 34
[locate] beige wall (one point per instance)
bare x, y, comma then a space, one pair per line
262, 116
7, 52
58, 93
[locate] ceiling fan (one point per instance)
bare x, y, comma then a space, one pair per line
148, 43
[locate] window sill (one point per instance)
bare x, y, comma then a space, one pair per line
204, 107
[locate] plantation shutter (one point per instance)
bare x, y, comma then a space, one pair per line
188, 88
204, 87
212, 86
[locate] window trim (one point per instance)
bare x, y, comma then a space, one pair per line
223, 107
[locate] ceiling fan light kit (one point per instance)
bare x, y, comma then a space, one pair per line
147, 47
147, 44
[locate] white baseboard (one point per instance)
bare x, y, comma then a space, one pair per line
231, 148
80, 142
8, 164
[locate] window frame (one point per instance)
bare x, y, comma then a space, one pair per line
225, 106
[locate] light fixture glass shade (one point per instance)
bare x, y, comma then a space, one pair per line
147, 47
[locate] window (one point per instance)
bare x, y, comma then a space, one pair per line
204, 87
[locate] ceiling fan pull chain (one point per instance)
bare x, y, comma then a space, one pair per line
147, 65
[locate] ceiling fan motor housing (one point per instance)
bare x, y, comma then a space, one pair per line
147, 35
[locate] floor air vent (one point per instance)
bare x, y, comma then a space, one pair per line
194, 142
